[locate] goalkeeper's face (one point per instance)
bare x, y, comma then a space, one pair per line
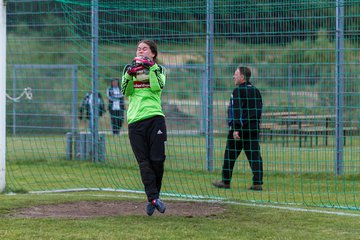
143, 50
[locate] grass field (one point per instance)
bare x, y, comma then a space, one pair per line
239, 221
293, 176
295, 60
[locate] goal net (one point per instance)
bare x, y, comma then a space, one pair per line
304, 58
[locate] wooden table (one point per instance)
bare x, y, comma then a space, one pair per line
278, 114
304, 126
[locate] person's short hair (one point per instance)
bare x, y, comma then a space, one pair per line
246, 72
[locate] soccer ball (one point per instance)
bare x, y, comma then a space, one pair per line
142, 75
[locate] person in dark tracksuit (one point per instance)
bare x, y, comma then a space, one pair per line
244, 114
87, 106
143, 81
116, 106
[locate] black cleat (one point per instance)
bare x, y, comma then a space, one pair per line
159, 205
150, 208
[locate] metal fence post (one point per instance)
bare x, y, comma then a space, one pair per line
339, 79
209, 72
94, 75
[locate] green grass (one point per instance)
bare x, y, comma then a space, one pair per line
237, 222
301, 176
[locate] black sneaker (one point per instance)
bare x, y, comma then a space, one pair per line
150, 208
159, 205
221, 184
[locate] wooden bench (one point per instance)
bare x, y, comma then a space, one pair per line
324, 132
307, 131
278, 114
284, 131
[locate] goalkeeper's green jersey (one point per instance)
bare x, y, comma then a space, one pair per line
145, 95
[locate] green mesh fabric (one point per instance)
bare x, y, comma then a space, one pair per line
290, 47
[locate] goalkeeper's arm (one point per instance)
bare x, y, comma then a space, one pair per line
157, 76
127, 84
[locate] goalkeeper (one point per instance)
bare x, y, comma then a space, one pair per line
142, 82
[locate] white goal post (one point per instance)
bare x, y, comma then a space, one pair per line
2, 94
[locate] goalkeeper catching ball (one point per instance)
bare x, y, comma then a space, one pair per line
142, 82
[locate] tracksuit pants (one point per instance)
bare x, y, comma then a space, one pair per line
148, 138
117, 118
249, 142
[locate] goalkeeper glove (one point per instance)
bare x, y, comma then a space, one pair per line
145, 61
133, 69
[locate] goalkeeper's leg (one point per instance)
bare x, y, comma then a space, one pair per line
158, 138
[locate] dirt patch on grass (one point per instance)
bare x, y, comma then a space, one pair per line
90, 209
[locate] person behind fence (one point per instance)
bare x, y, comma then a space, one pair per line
143, 81
86, 106
244, 114
116, 106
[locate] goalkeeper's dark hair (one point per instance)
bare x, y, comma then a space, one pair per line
153, 47
246, 72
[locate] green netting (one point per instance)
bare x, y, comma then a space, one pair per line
289, 45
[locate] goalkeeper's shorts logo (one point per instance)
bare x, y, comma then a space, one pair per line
138, 84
